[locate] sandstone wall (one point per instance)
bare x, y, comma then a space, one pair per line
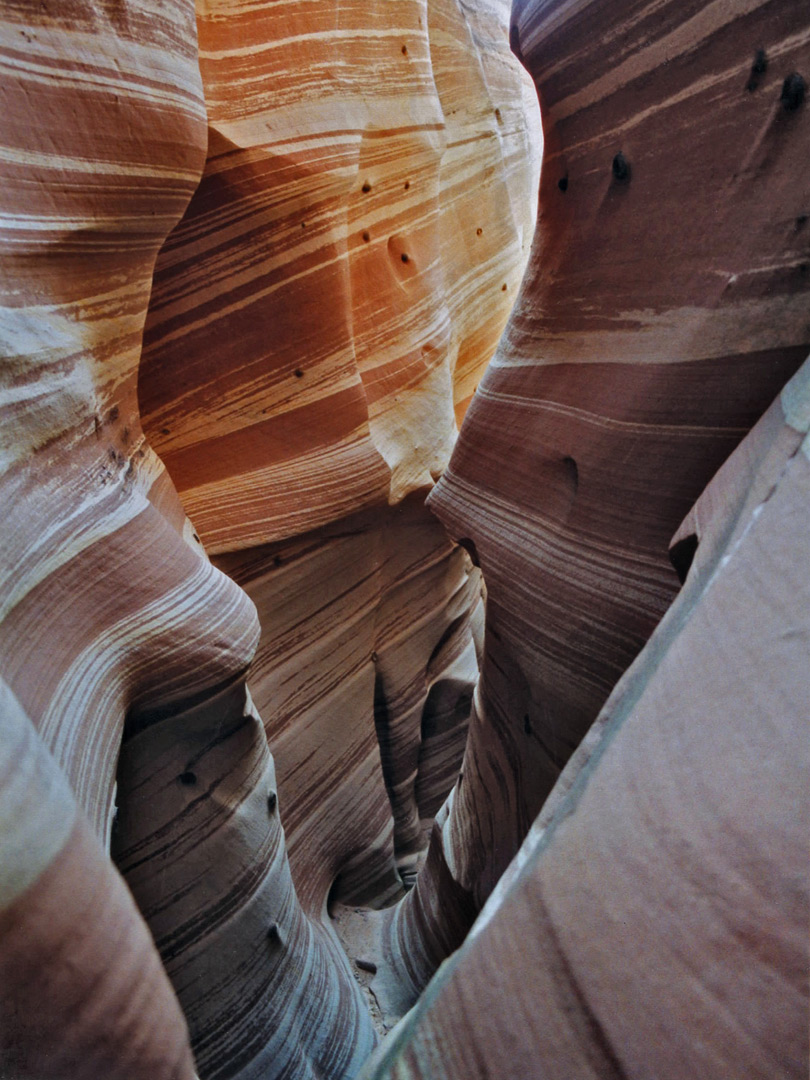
106, 608
664, 306
318, 320
308, 345
655, 920
337, 283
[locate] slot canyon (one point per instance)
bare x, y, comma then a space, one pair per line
405, 540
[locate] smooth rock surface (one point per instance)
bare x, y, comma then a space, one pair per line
345, 268
82, 989
664, 306
318, 319
655, 920
364, 676
321, 372
103, 140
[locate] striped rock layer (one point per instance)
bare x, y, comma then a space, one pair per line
105, 609
85, 208
124, 650
265, 991
318, 319
664, 306
344, 270
364, 676
655, 920
82, 990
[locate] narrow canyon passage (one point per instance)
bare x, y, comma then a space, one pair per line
318, 322
403, 608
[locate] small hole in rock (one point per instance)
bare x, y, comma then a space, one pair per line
562, 183
366, 236
407, 184
682, 554
572, 471
405, 258
793, 90
404, 50
478, 232
470, 548
621, 168
298, 373
188, 779
366, 187
759, 67
503, 287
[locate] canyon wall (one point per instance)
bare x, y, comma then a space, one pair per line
664, 307
106, 609
656, 920
344, 247
345, 269
317, 322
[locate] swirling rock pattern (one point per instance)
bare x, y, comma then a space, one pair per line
664, 306
124, 646
82, 989
264, 990
318, 319
88, 620
659, 906
343, 273
364, 676
114, 624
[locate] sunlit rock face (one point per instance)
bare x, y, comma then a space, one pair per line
319, 320
124, 651
655, 920
664, 306
346, 267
